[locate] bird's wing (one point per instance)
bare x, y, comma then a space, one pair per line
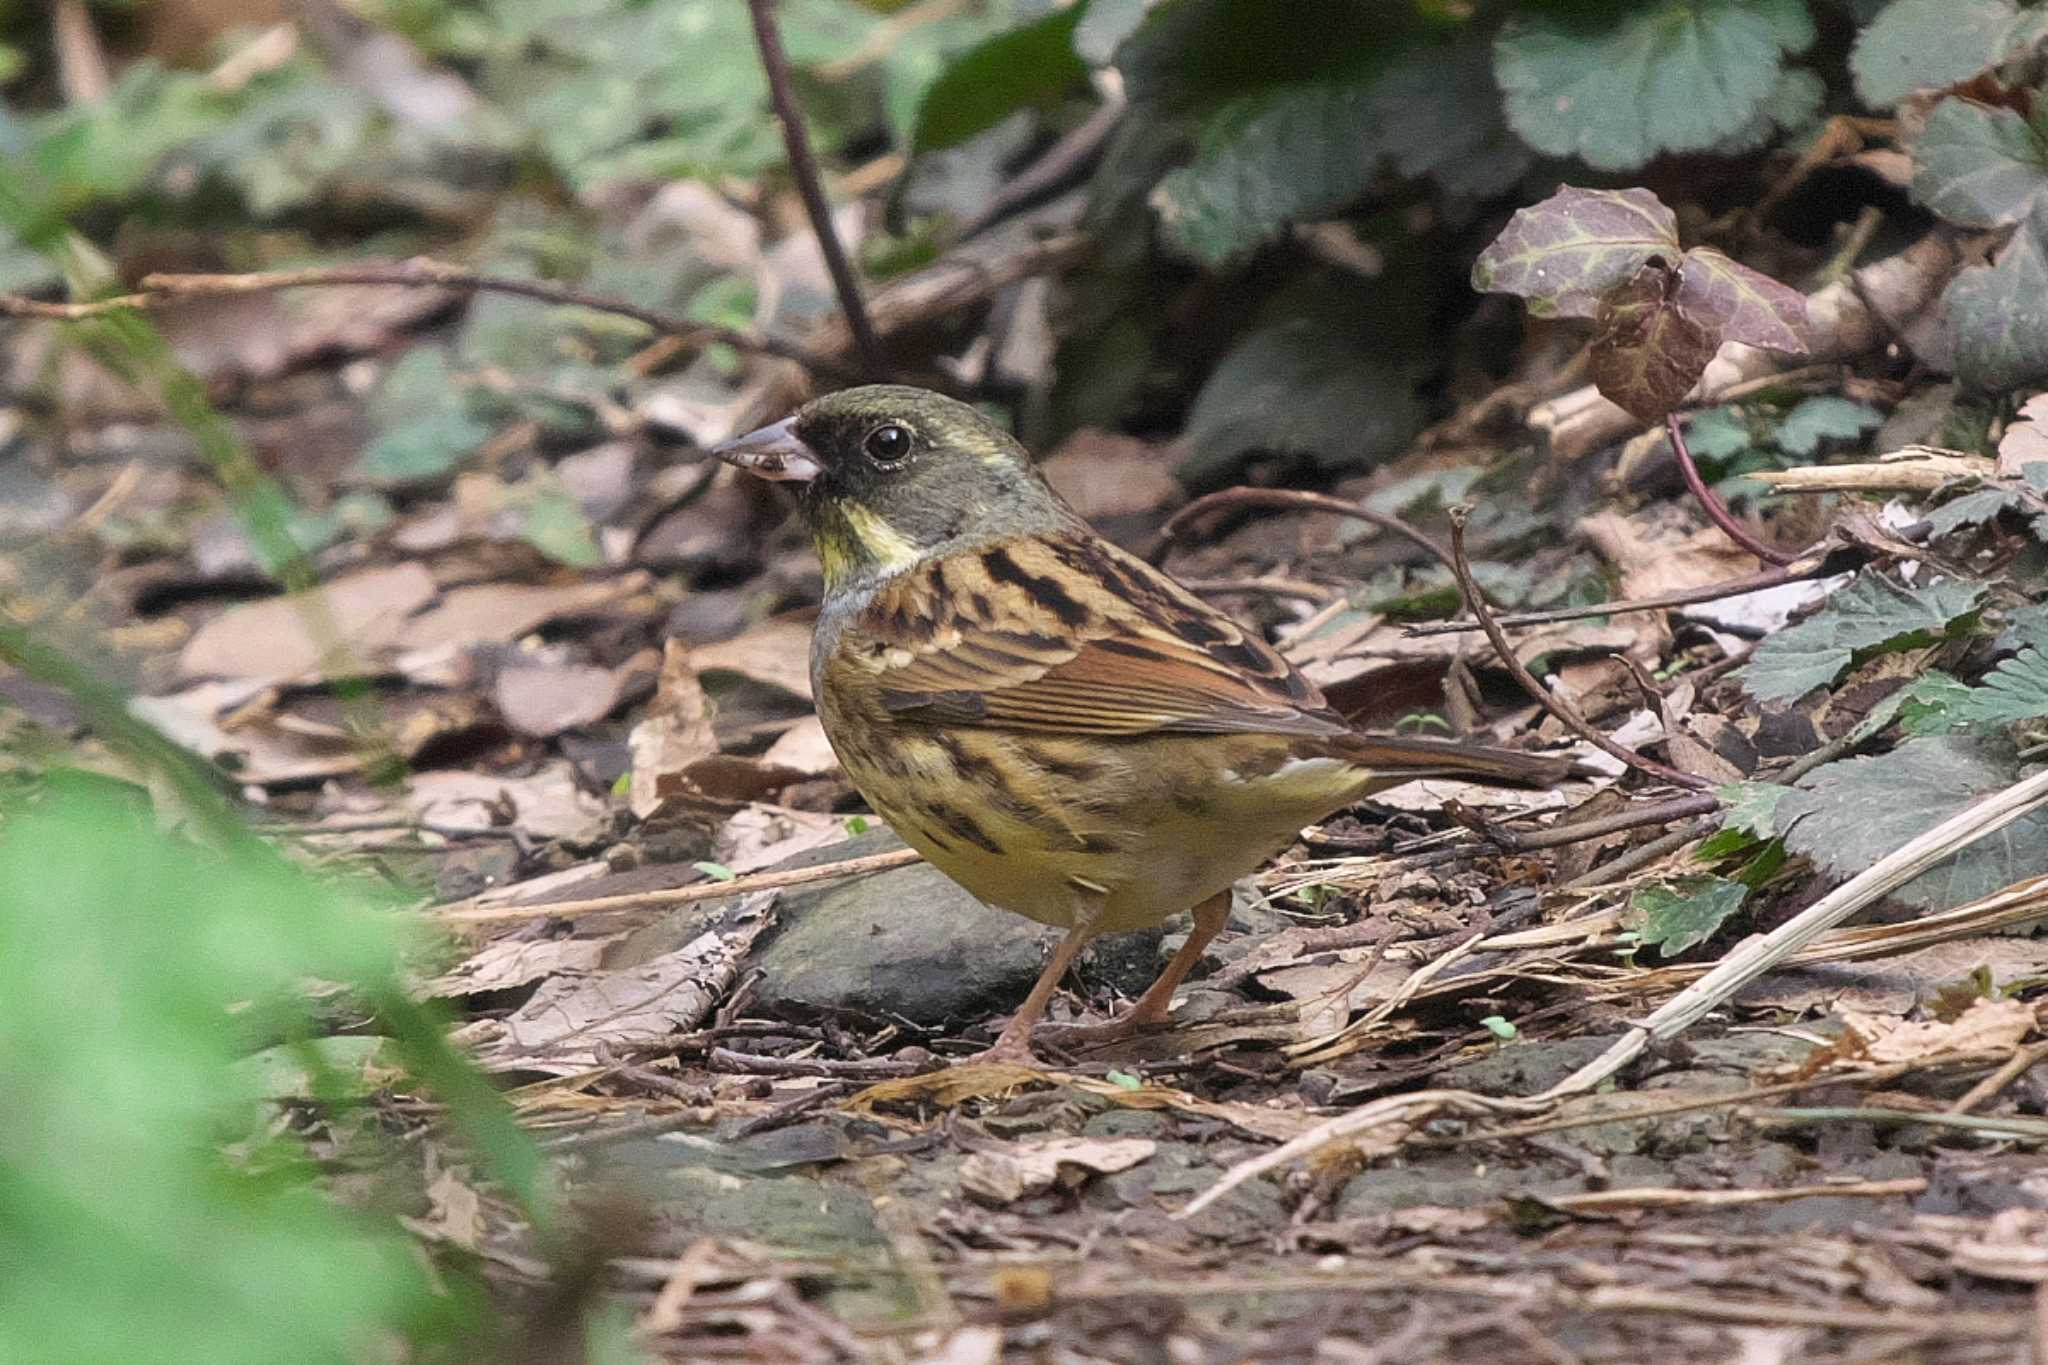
1071, 634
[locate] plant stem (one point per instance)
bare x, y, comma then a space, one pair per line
1716, 510
804, 166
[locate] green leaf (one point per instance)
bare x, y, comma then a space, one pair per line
424, 426
1566, 253
1298, 389
1104, 26
1499, 1026
1687, 912
1668, 76
1870, 611
1970, 509
718, 872
2016, 690
554, 523
1304, 150
997, 77
1752, 807
1717, 434
1999, 312
1824, 418
1977, 165
1917, 44
1850, 813
2024, 627
1929, 704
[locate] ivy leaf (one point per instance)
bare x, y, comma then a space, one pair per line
1870, 611
1564, 254
997, 77
1999, 312
1977, 165
1670, 76
1824, 417
1300, 389
1740, 304
1687, 912
1849, 814
1916, 44
1648, 350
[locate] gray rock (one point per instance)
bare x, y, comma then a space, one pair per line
903, 944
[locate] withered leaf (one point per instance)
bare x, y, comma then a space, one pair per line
1736, 303
1649, 350
1564, 254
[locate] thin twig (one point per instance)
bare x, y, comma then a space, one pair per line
420, 272
1647, 813
1299, 500
1550, 701
1710, 502
460, 913
1641, 856
725, 1059
2022, 1061
804, 166
1651, 1197
1686, 597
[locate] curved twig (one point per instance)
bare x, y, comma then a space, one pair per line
421, 272
1550, 701
1710, 502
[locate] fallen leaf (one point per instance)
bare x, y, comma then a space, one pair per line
2026, 438
956, 1084
1103, 475
1986, 1026
512, 961
674, 733
256, 749
548, 804
545, 699
505, 611
1006, 1174
283, 639
760, 835
559, 1029
776, 652
803, 747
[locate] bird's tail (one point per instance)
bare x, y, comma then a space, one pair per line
1402, 758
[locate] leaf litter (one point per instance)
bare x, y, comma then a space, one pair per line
1445, 967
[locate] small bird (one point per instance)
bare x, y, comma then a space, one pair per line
1055, 724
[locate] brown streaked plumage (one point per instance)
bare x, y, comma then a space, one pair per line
1058, 726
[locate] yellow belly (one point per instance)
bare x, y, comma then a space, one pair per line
1043, 826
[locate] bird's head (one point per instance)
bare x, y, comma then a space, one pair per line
892, 476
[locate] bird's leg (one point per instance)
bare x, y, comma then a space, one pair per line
1013, 1044
1152, 1007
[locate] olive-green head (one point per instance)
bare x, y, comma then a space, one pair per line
894, 475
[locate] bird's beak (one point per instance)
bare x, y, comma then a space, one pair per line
774, 452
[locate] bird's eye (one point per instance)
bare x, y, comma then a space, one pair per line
888, 443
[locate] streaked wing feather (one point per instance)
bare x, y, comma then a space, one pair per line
1074, 635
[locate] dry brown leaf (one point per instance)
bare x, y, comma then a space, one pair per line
2026, 439
1104, 475
505, 611
542, 699
257, 749
559, 1029
675, 732
513, 961
1659, 554
276, 639
776, 652
549, 804
1986, 1026
759, 836
803, 747
1006, 1174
